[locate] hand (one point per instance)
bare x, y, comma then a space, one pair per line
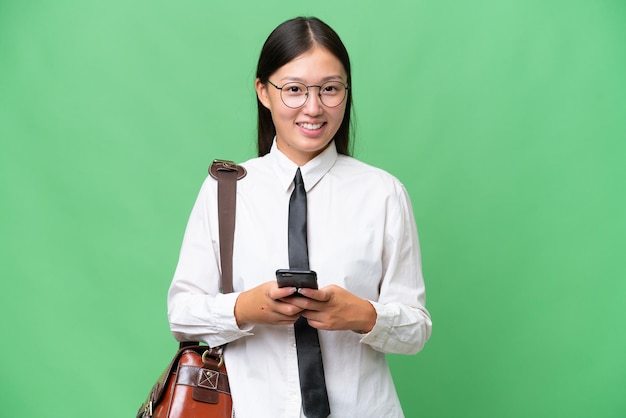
264, 304
334, 308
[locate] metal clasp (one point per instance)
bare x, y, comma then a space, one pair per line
220, 356
226, 164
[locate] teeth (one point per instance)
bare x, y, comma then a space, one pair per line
311, 126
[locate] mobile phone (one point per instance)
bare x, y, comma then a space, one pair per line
296, 278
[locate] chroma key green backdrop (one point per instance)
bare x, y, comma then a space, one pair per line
504, 119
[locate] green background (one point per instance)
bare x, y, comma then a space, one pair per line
504, 119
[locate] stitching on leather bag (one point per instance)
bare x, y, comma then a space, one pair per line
208, 379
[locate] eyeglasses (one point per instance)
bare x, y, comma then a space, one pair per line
295, 95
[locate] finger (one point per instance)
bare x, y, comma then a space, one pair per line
283, 319
301, 302
286, 308
277, 293
320, 295
313, 322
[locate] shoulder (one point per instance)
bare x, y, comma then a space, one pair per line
358, 172
257, 166
209, 185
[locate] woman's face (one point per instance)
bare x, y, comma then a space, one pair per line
303, 133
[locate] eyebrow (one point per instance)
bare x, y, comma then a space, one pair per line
323, 80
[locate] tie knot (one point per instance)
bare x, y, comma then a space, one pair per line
298, 178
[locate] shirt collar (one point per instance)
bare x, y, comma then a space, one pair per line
312, 172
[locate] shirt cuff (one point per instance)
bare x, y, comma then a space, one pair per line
224, 314
381, 330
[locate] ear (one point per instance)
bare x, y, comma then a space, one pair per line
262, 93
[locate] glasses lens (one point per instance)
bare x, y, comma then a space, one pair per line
332, 93
293, 94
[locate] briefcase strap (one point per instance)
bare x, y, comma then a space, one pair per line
226, 173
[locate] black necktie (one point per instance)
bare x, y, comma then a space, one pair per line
310, 367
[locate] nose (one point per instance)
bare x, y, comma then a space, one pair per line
313, 105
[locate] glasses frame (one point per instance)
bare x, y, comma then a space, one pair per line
307, 92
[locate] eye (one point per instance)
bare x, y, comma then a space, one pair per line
294, 89
332, 88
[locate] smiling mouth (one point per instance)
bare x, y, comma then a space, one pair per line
311, 126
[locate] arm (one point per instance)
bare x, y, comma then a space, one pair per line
196, 309
397, 322
403, 324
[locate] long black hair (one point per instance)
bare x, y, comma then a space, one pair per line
288, 41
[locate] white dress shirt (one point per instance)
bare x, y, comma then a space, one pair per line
361, 236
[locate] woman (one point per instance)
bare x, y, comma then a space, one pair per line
362, 242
